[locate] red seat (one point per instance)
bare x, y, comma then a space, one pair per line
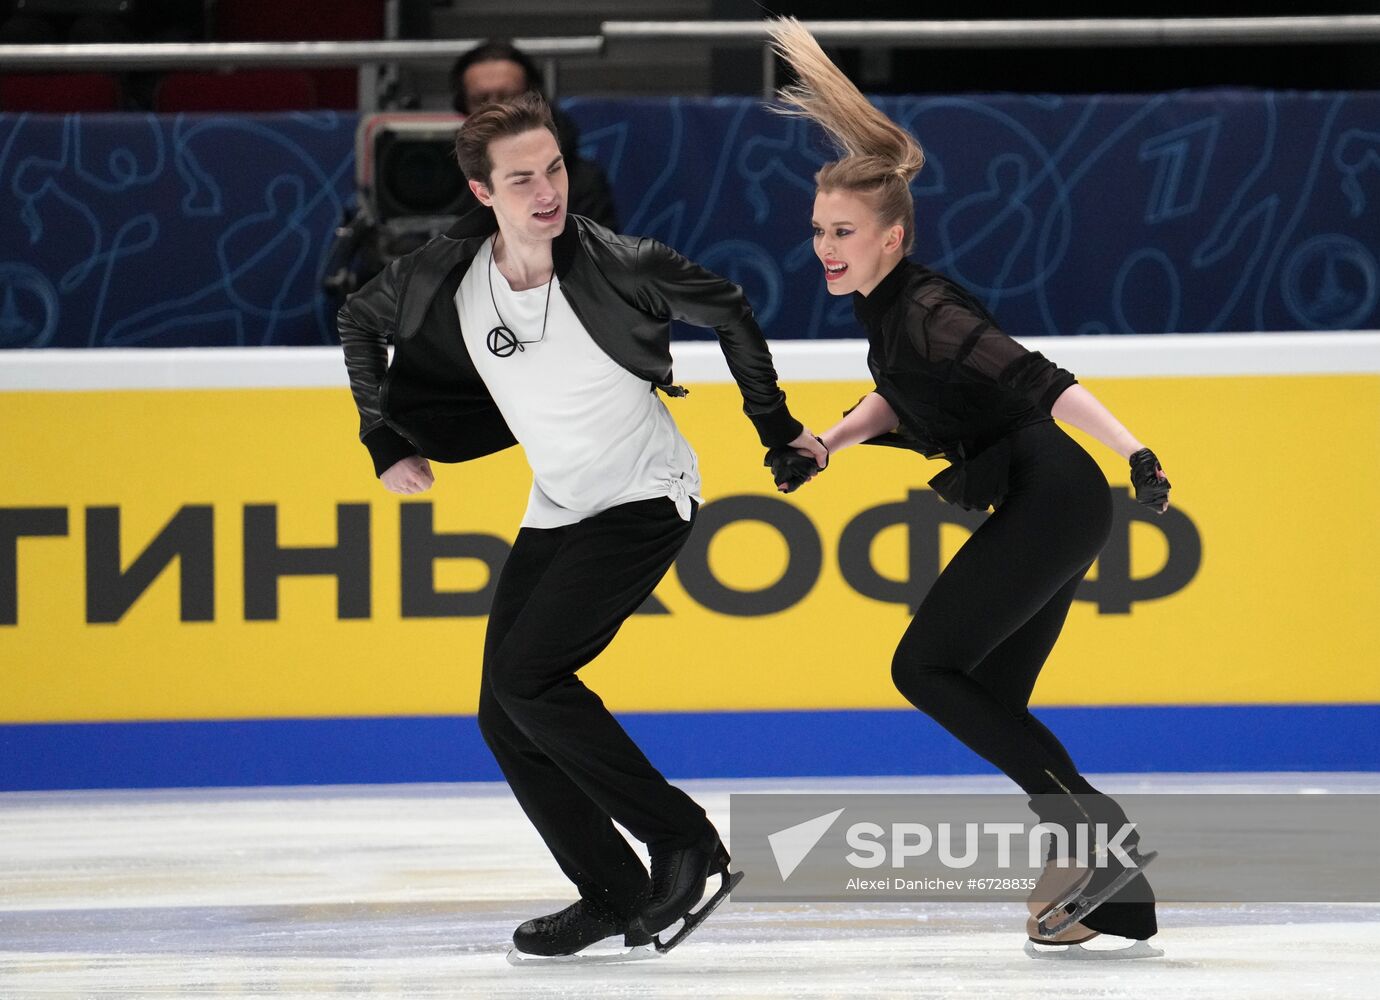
298, 20
59, 93
302, 21
240, 90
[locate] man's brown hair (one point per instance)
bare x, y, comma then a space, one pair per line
498, 121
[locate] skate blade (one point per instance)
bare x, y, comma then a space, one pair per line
1068, 919
1043, 908
1078, 953
729, 882
640, 953
1071, 893
1074, 891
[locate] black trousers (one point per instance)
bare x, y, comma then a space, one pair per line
561, 598
972, 654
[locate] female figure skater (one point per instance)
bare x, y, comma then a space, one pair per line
949, 382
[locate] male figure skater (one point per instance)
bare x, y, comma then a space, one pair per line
552, 331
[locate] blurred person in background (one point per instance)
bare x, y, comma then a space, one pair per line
497, 71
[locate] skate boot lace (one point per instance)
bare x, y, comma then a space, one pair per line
664, 870
558, 923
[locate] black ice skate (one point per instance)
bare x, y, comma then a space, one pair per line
1069, 905
678, 881
1085, 896
564, 936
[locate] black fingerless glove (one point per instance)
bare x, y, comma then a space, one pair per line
791, 469
1148, 479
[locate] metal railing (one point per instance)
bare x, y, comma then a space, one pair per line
1061, 33
368, 56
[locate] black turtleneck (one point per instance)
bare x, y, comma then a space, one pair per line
871, 308
956, 381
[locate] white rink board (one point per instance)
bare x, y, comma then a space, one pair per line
1140, 355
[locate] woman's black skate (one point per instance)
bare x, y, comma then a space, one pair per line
1112, 897
1116, 900
567, 933
678, 880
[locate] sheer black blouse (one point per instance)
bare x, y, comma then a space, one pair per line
957, 383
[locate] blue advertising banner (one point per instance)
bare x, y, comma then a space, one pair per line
1188, 212
132, 230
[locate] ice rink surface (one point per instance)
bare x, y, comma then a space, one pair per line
413, 891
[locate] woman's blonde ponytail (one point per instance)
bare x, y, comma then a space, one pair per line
879, 159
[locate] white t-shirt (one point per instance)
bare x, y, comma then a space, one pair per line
595, 434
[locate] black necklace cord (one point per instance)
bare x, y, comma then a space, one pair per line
502, 342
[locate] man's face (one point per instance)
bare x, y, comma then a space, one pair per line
528, 186
494, 80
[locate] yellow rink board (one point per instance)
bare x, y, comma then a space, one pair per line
1279, 476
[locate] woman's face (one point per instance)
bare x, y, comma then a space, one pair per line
857, 251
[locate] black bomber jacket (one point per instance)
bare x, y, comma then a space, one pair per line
625, 290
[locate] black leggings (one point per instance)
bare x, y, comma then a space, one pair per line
976, 645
